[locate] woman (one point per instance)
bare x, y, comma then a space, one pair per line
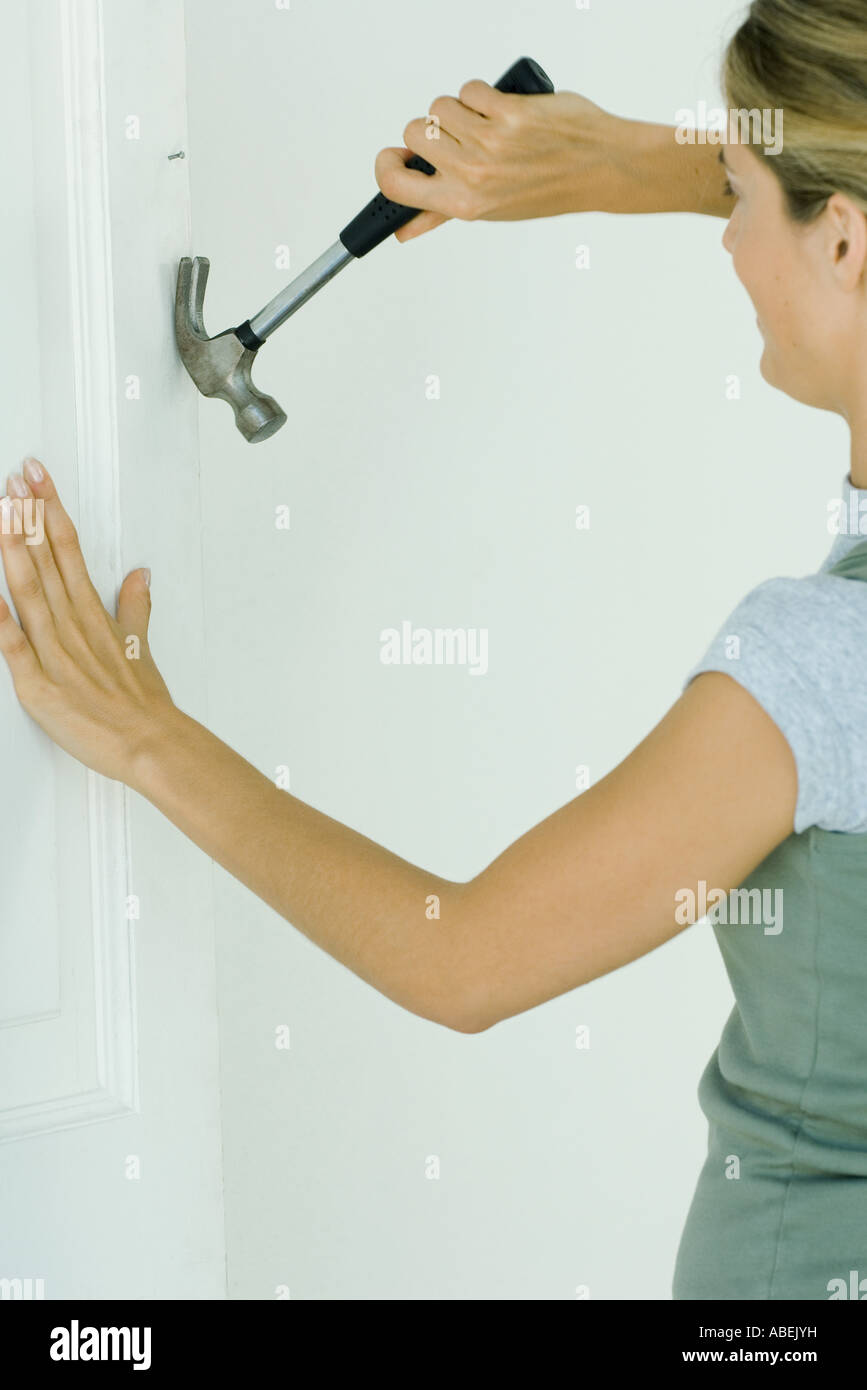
757, 776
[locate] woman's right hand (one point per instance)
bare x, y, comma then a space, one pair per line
503, 157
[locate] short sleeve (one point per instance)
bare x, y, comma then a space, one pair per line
799, 646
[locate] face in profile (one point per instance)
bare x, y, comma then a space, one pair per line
807, 283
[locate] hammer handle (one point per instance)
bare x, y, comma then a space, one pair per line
373, 224
381, 217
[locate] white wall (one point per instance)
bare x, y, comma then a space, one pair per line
606, 386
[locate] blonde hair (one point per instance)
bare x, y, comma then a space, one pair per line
807, 58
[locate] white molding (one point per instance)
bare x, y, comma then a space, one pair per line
91, 307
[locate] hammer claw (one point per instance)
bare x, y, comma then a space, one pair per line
200, 269
190, 297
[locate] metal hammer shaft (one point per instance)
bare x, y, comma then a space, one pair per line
302, 288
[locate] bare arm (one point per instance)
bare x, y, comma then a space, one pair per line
707, 795
502, 157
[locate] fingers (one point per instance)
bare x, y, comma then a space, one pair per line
16, 650
457, 119
25, 585
133, 616
65, 548
134, 603
40, 551
463, 127
434, 142
84, 641
424, 222
484, 99
408, 186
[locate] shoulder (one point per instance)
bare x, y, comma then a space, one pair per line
814, 627
799, 646
805, 599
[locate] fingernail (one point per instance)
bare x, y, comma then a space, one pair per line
17, 486
33, 470
147, 577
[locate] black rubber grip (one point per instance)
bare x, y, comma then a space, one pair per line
244, 333
381, 217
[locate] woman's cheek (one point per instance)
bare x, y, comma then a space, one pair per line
745, 267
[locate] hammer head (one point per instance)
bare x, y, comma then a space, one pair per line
220, 366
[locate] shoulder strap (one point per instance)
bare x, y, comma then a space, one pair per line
853, 565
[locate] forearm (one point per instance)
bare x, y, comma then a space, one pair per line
649, 171
542, 156
365, 906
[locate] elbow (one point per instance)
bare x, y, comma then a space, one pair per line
449, 993
471, 1025
479, 1017
468, 1016
472, 1004
456, 1021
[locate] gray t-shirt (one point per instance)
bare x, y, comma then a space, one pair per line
799, 646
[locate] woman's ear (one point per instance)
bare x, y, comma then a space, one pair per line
847, 240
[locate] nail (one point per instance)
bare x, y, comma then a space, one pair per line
17, 486
33, 470
147, 577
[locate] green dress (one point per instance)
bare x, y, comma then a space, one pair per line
780, 1207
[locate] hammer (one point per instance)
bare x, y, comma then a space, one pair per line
222, 366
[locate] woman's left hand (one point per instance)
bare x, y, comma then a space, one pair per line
87, 679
